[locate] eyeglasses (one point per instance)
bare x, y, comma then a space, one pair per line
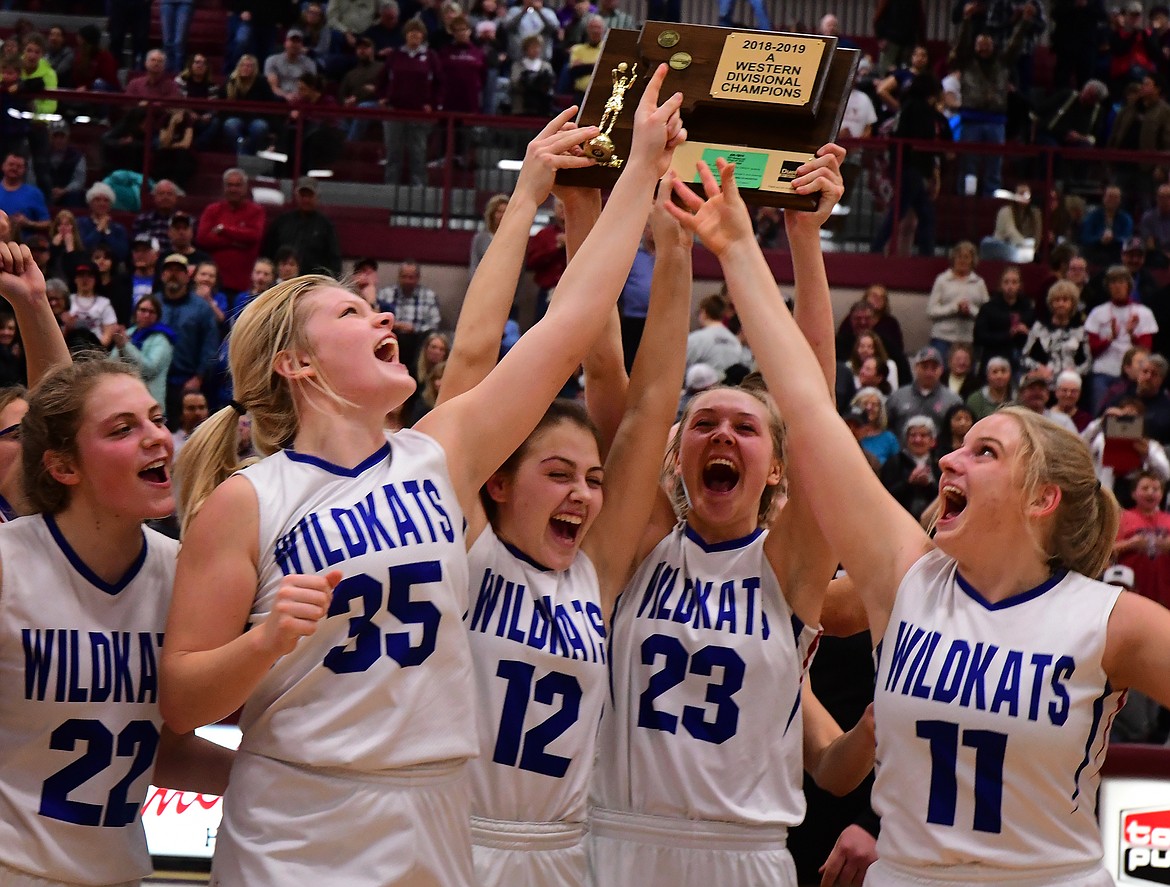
12, 432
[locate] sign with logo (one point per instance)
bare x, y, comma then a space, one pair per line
183, 824
1135, 826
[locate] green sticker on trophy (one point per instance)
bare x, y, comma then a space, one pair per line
749, 166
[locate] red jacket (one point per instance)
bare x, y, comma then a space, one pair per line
236, 246
544, 258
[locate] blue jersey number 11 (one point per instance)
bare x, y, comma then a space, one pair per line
990, 748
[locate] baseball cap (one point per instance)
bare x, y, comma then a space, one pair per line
307, 183
1035, 377
84, 268
1134, 245
927, 354
146, 240
294, 34
701, 376
362, 264
176, 259
1118, 574
181, 218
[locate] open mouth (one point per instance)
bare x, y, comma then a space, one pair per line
566, 527
387, 350
720, 476
155, 472
953, 502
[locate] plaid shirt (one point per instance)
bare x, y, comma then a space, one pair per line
420, 308
157, 225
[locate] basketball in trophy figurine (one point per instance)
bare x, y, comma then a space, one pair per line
765, 101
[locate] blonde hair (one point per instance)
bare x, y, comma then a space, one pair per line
489, 211
1085, 522
421, 370
271, 324
63, 215
430, 392
771, 495
1063, 288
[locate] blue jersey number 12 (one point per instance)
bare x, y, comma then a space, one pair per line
516, 747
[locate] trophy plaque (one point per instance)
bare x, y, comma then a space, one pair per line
763, 100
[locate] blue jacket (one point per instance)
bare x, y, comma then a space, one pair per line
198, 337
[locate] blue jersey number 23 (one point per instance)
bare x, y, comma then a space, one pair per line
675, 667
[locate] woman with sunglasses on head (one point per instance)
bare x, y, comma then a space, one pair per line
84, 591
323, 587
1001, 661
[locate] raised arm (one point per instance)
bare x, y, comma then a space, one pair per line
836, 760
873, 536
23, 286
481, 428
489, 296
618, 539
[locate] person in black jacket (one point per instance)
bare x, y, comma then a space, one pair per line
1003, 324
306, 229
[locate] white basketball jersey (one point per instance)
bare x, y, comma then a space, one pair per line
706, 660
992, 722
385, 682
538, 641
79, 717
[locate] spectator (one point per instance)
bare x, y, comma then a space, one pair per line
196, 335
618, 18
1003, 324
1113, 328
1068, 395
99, 227
347, 20
157, 221
148, 344
1076, 29
956, 422
360, 85
65, 169
493, 214
59, 56
288, 265
15, 102
132, 16
12, 366
583, 56
1018, 227
547, 258
411, 81
318, 37
960, 376
284, 70
891, 89
34, 66
246, 85
431, 384
173, 157
195, 82
1131, 54
89, 310
530, 19
94, 68
1106, 228
1002, 18
385, 32
987, 74
416, 310
1132, 365
919, 119
1119, 460
1149, 389
156, 83
572, 15
181, 234
65, 247
1059, 343
1144, 288
911, 474
900, 26
872, 425
887, 326
111, 282
1073, 118
1142, 125
712, 343
955, 299
143, 267
124, 144
231, 230
321, 139
78, 339
869, 346
262, 278
1155, 230
1143, 539
24, 203
252, 27
194, 413
532, 80
464, 68
924, 395
996, 392
307, 231
435, 350
1034, 393
205, 285
365, 280
175, 17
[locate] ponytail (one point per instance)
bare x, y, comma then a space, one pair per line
208, 458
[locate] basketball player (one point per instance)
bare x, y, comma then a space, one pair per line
83, 600
700, 748
344, 552
1001, 663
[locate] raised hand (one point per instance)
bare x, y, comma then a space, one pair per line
658, 129
557, 146
823, 176
664, 226
20, 278
301, 603
722, 219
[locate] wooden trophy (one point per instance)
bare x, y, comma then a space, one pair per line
765, 101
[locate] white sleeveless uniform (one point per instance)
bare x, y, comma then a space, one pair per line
538, 642
700, 750
351, 765
992, 724
79, 717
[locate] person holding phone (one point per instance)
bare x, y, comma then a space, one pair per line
1121, 450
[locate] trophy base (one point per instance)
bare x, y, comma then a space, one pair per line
601, 149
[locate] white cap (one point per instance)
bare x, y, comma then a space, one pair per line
1118, 574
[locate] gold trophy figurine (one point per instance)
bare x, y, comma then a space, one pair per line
601, 147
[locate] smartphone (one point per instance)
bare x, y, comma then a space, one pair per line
1125, 427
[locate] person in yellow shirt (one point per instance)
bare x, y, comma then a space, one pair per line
583, 56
